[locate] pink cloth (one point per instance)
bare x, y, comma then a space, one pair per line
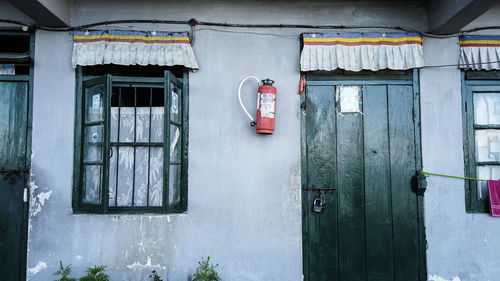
494, 189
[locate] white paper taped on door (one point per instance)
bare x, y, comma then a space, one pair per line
349, 99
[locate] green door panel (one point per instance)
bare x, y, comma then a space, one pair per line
371, 226
13, 130
321, 150
379, 244
404, 200
13, 118
351, 228
11, 226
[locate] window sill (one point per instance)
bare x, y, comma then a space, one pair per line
120, 212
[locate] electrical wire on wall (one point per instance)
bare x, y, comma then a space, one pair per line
194, 22
212, 26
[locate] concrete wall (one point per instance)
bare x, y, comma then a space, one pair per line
249, 224
461, 246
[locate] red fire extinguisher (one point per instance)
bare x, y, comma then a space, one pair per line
266, 105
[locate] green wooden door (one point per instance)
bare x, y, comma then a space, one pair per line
13, 178
372, 226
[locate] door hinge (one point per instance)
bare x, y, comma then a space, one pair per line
25, 196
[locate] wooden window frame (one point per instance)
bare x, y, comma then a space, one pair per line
475, 81
103, 208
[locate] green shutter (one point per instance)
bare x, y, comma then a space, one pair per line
173, 146
94, 145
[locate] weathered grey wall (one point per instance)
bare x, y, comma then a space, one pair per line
244, 189
461, 246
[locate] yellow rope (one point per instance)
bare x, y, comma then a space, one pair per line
427, 174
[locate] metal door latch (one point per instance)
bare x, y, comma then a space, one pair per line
317, 188
10, 175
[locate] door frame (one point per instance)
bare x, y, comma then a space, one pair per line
411, 77
29, 80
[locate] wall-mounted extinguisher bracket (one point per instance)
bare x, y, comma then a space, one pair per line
266, 105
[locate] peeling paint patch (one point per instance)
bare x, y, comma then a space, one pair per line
34, 270
439, 278
137, 266
37, 200
295, 183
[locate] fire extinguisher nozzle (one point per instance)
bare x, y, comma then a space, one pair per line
253, 123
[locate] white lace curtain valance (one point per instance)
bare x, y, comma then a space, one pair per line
361, 51
133, 48
480, 52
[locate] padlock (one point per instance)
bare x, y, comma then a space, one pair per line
317, 205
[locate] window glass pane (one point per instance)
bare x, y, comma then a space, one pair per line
156, 177
488, 145
94, 143
175, 143
175, 108
141, 176
158, 97
142, 124
157, 124
112, 175
487, 173
113, 131
174, 194
142, 104
127, 124
94, 103
143, 98
486, 108
124, 116
125, 176
92, 184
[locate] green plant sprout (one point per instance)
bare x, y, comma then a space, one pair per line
64, 272
206, 271
96, 273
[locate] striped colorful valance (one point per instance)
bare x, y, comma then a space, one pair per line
358, 51
480, 52
133, 48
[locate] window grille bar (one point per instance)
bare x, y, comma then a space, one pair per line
137, 85
135, 139
137, 143
117, 147
488, 163
149, 147
487, 127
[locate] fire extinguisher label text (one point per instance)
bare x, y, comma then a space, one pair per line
267, 105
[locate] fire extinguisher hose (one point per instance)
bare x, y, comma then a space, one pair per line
239, 96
